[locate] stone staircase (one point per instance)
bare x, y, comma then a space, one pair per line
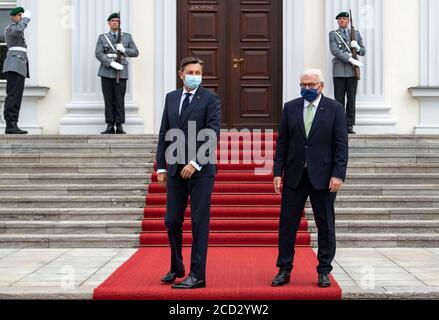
89, 191
73, 191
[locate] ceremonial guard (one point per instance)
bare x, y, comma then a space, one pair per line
15, 68
346, 45
112, 50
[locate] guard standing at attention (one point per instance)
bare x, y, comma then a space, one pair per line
112, 50
15, 68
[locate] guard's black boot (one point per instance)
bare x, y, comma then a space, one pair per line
119, 129
12, 128
110, 129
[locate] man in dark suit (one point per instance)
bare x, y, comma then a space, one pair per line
312, 157
191, 172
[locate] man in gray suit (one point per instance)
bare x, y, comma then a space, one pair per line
107, 50
16, 68
345, 81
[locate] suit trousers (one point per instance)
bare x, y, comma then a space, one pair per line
347, 88
114, 97
14, 92
293, 203
178, 191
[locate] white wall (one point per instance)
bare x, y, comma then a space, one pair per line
54, 61
143, 67
402, 54
315, 35
401, 59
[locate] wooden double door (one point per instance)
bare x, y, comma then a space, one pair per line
240, 42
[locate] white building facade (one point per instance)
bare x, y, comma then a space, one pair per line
399, 93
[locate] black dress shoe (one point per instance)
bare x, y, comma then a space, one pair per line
12, 128
171, 277
190, 283
110, 129
119, 130
351, 130
324, 281
283, 278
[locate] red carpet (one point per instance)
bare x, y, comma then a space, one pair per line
243, 243
233, 274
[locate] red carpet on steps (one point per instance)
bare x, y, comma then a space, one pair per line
243, 244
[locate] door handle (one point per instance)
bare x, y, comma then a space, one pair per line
237, 61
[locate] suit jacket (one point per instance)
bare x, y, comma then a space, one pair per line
205, 112
325, 151
105, 53
341, 67
16, 61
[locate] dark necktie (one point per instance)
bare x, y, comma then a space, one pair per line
114, 35
186, 103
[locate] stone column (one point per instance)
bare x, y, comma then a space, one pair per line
428, 91
85, 113
373, 116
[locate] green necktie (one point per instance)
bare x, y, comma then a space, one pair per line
309, 119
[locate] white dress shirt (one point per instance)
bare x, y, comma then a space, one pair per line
183, 97
316, 106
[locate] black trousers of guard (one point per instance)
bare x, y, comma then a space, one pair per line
14, 92
114, 97
347, 88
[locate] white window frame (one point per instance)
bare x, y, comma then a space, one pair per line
6, 5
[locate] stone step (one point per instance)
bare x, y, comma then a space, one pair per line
358, 139
390, 190
383, 240
142, 190
393, 168
70, 227
73, 202
135, 227
97, 241
73, 190
76, 148
387, 202
383, 214
344, 240
126, 214
392, 178
121, 158
138, 168
146, 156
71, 214
38, 179
78, 139
398, 227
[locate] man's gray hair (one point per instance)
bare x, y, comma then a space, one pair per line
313, 73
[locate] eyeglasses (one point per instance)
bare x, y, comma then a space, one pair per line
310, 85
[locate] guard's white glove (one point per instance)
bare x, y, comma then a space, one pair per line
355, 45
26, 14
120, 48
112, 55
117, 66
356, 62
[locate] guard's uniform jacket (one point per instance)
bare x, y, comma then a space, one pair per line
340, 45
106, 53
17, 60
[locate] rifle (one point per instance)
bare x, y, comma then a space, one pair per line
357, 70
119, 54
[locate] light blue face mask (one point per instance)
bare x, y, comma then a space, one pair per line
193, 82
